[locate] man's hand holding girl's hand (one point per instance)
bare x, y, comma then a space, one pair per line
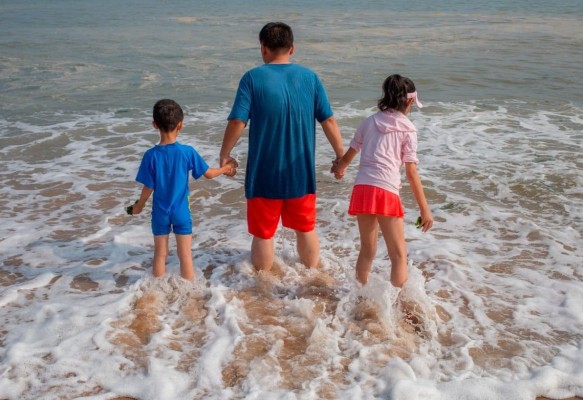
337, 169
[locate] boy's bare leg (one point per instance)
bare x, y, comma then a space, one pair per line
394, 234
369, 229
184, 249
308, 246
262, 253
160, 254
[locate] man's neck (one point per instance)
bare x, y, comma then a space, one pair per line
276, 57
278, 60
283, 59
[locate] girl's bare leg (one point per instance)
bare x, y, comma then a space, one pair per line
394, 234
184, 249
160, 254
369, 230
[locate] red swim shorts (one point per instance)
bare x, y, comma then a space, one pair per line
263, 215
367, 199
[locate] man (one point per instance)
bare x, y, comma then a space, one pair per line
283, 102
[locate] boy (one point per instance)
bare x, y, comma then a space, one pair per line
164, 171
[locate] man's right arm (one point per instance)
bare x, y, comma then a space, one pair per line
332, 132
232, 134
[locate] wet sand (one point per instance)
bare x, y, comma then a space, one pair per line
570, 398
538, 398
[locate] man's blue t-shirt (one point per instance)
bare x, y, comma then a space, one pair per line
165, 168
283, 102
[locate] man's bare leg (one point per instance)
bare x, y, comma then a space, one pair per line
262, 253
308, 246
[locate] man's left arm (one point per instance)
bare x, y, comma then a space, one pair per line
332, 132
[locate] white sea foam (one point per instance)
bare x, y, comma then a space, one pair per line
495, 285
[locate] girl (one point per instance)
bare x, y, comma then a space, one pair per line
386, 139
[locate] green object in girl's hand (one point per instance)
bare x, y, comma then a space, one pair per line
418, 222
130, 209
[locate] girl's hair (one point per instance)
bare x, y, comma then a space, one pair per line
395, 89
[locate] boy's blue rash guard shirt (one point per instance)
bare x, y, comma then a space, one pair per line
164, 169
283, 102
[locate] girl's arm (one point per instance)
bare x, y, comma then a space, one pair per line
417, 188
139, 206
339, 167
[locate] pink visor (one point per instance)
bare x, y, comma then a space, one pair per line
413, 96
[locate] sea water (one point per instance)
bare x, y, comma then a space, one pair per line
493, 308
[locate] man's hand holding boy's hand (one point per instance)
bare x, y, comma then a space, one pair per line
230, 167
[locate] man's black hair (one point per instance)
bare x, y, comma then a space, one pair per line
276, 36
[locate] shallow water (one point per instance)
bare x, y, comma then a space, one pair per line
493, 308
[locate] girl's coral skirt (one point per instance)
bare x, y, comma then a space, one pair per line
367, 199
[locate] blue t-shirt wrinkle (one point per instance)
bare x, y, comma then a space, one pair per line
283, 103
165, 169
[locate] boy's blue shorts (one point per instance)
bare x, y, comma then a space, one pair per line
179, 222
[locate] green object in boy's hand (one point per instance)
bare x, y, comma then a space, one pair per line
130, 209
418, 222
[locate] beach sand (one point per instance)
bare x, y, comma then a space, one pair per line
570, 398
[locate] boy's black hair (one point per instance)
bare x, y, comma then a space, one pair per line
395, 89
276, 36
167, 115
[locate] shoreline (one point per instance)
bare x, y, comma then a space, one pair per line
538, 398
568, 398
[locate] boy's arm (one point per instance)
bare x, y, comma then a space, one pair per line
332, 132
417, 188
228, 169
139, 206
232, 134
339, 166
